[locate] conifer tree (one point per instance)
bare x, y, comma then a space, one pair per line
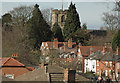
57, 33
72, 22
116, 40
39, 29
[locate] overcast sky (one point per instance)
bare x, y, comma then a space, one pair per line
89, 12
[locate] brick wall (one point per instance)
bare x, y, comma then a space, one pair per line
69, 75
102, 68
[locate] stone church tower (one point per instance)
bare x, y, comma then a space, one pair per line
59, 16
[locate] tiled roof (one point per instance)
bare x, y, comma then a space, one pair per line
10, 62
3, 60
30, 68
61, 46
85, 50
17, 71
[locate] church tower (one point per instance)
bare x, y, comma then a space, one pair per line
59, 16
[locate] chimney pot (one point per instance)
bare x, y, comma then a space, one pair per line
104, 49
55, 43
65, 46
80, 44
118, 51
70, 43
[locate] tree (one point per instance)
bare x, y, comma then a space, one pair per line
6, 20
111, 21
39, 29
47, 15
21, 15
81, 36
17, 41
72, 23
84, 26
116, 40
57, 33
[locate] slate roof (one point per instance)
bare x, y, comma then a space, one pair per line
108, 56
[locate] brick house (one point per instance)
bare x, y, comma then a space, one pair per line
103, 63
68, 60
85, 51
12, 68
62, 47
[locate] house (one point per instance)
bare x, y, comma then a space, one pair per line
103, 63
12, 68
61, 47
68, 60
85, 51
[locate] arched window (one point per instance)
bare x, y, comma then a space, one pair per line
62, 18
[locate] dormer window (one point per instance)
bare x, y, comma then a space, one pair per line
10, 76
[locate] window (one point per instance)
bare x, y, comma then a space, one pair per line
69, 56
118, 65
78, 50
106, 73
97, 63
97, 72
110, 72
93, 66
10, 76
106, 63
86, 62
110, 64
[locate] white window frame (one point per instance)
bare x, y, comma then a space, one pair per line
10, 76
109, 72
98, 71
106, 63
106, 72
110, 64
97, 62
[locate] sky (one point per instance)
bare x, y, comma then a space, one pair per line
90, 13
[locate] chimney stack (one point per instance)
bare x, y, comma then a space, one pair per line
69, 75
65, 46
70, 43
118, 51
104, 49
55, 43
80, 45
91, 50
14, 56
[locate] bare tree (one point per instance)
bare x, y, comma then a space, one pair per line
47, 15
110, 20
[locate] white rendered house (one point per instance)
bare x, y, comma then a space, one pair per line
89, 65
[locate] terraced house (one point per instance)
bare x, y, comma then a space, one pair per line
65, 50
103, 63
